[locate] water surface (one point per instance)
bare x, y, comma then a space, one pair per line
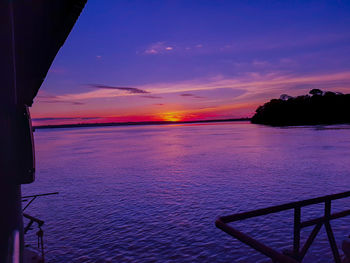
152, 193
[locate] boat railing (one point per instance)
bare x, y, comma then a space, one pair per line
30, 198
298, 252
40, 233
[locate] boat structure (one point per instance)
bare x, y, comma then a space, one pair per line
299, 250
34, 254
32, 32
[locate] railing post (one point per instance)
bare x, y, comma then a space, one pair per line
327, 215
296, 241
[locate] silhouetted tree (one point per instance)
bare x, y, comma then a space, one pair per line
285, 97
320, 108
316, 92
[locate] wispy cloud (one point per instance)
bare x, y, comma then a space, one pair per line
158, 48
191, 95
62, 101
64, 118
151, 97
251, 86
127, 89
271, 43
162, 47
46, 97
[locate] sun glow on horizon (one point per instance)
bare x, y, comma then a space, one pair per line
171, 116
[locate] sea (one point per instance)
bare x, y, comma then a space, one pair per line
152, 193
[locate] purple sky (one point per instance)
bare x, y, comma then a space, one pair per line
175, 60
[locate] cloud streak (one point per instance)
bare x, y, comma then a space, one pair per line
158, 48
64, 118
46, 97
127, 89
254, 87
63, 101
191, 95
151, 97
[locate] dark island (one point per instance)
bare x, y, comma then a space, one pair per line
315, 108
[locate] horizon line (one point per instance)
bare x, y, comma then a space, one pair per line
131, 123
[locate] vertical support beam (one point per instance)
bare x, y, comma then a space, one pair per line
11, 228
329, 231
296, 241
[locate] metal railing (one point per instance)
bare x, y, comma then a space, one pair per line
33, 197
298, 252
40, 233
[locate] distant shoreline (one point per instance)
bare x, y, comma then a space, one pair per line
108, 124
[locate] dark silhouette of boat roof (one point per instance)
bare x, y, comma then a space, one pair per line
36, 29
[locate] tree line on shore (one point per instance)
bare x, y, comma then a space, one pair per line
317, 107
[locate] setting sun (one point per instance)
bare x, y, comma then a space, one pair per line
171, 116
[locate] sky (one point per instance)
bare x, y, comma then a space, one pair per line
175, 60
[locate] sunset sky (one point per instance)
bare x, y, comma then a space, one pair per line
147, 60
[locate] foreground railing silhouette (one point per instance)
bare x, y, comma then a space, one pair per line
40, 233
298, 253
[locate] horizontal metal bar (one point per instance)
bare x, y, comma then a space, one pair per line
54, 193
323, 219
267, 251
279, 208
